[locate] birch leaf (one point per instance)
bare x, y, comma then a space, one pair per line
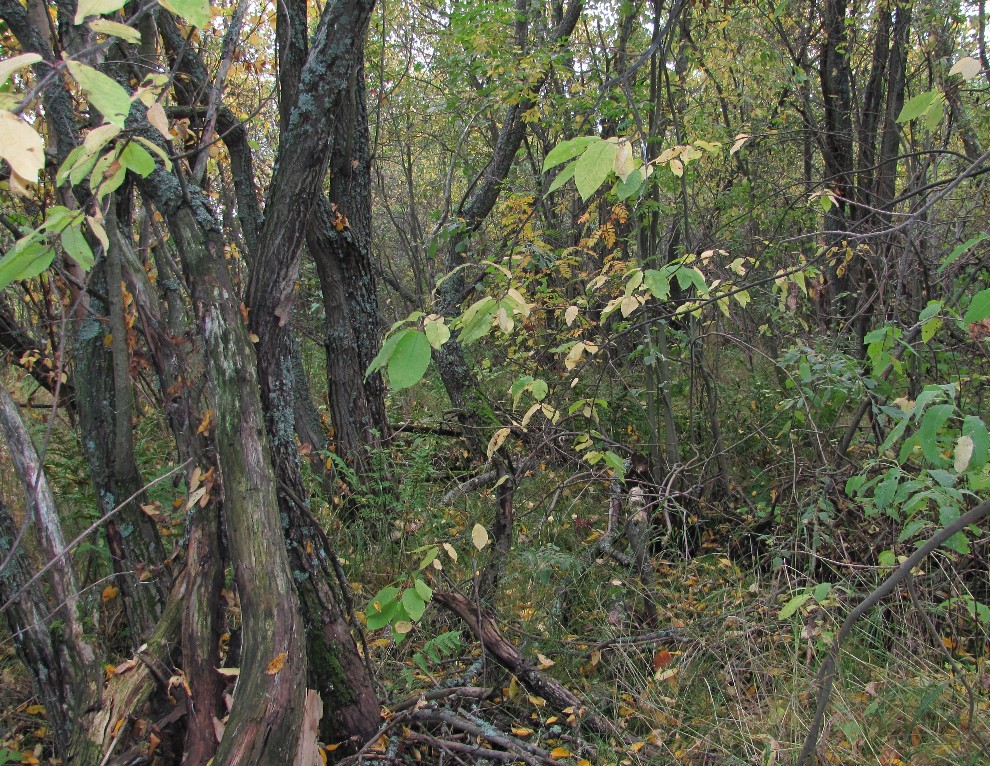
196, 12
11, 65
105, 93
967, 66
479, 536
21, 146
88, 8
963, 453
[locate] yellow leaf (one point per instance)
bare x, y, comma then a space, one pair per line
276, 664
479, 536
34, 709
110, 593
560, 752
519, 731
538, 701
206, 423
583, 762
497, 440
156, 116
450, 551
21, 146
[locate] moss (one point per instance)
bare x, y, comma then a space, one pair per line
327, 676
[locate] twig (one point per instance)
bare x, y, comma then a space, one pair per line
472, 692
86, 532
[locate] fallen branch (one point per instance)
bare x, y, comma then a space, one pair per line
508, 656
530, 754
468, 486
470, 692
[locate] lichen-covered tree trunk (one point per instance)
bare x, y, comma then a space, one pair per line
181, 379
74, 680
339, 240
264, 722
28, 621
337, 670
102, 375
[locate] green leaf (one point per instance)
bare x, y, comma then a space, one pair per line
853, 485
593, 167
688, 276
136, 158
477, 320
979, 308
437, 332
930, 320
519, 385
821, 591
911, 529
884, 491
115, 29
409, 360
382, 607
793, 605
413, 603
958, 543
632, 184
568, 150
935, 113
77, 247
562, 178
658, 283
155, 149
196, 12
616, 463
917, 106
107, 176
976, 429
25, 261
935, 417
429, 558
104, 93
539, 389
425, 591
381, 359
88, 8
379, 619
960, 250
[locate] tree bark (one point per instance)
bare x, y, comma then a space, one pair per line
336, 669
102, 374
75, 680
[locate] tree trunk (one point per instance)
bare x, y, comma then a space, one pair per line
73, 681
180, 379
336, 669
102, 374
